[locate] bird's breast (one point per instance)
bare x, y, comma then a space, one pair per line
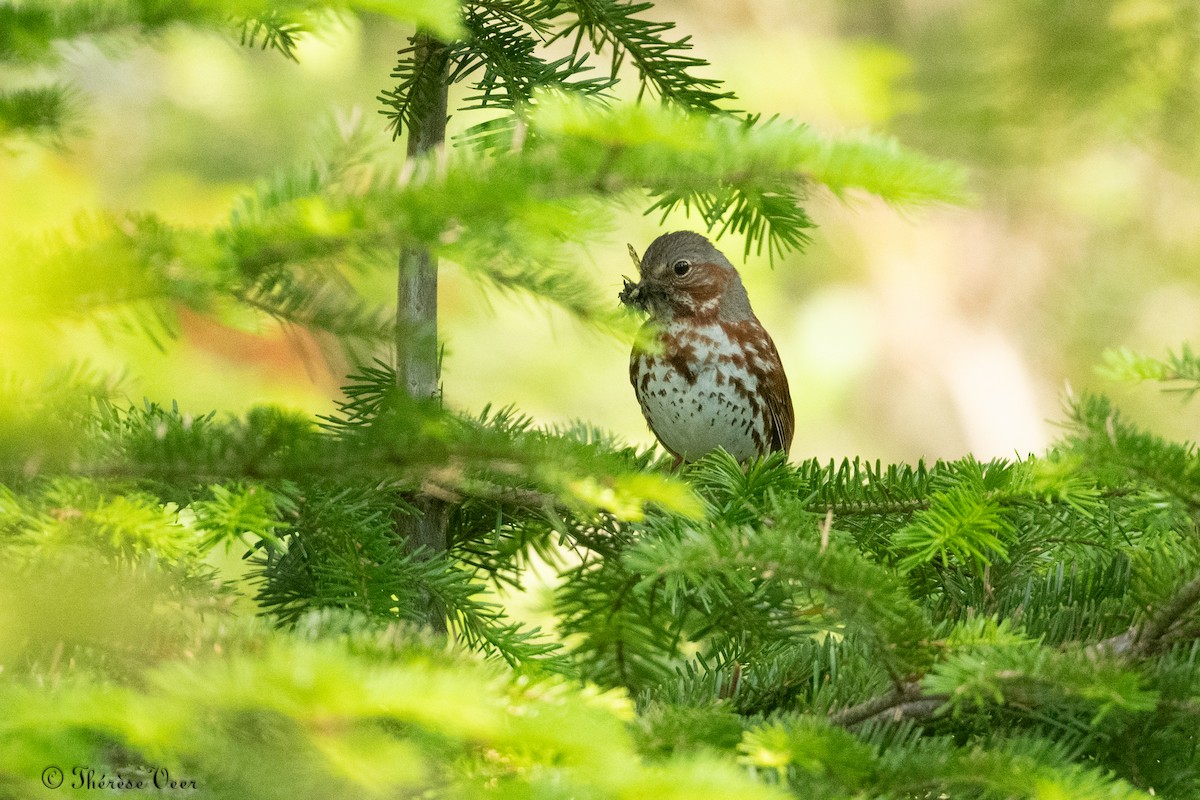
698, 391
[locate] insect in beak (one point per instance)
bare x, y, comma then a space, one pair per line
631, 293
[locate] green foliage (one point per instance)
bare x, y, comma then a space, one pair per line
295, 247
834, 629
780, 160
662, 65
1181, 371
1124, 452
291, 248
501, 46
1083, 73
340, 709
41, 114
959, 525
1006, 629
33, 32
1000, 668
238, 511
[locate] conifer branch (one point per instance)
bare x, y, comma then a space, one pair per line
505, 218
1177, 372
31, 31
1119, 450
905, 701
1151, 635
840, 630
502, 43
273, 30
661, 64
1144, 639
43, 114
853, 508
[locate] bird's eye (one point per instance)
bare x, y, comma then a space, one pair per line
682, 267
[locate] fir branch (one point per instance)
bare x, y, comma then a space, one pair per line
1026, 675
316, 304
662, 64
1158, 627
377, 437
905, 701
1178, 372
44, 114
535, 15
346, 692
341, 551
885, 759
754, 575
502, 44
1118, 451
506, 218
274, 30
1014, 766
772, 217
420, 73
881, 166
1151, 635
961, 524
29, 30
743, 176
132, 265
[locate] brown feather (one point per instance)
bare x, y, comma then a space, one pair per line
778, 397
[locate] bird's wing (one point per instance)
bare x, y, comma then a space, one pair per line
781, 418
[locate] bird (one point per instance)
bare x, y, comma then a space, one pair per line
705, 372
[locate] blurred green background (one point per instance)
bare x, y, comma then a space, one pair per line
905, 334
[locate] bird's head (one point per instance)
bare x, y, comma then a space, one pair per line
683, 275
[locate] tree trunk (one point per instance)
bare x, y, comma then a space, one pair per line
416, 305
416, 308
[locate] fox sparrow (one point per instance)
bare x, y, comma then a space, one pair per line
705, 372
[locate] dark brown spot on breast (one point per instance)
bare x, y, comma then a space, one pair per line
682, 363
679, 354
739, 386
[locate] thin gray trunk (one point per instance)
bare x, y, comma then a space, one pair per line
416, 307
